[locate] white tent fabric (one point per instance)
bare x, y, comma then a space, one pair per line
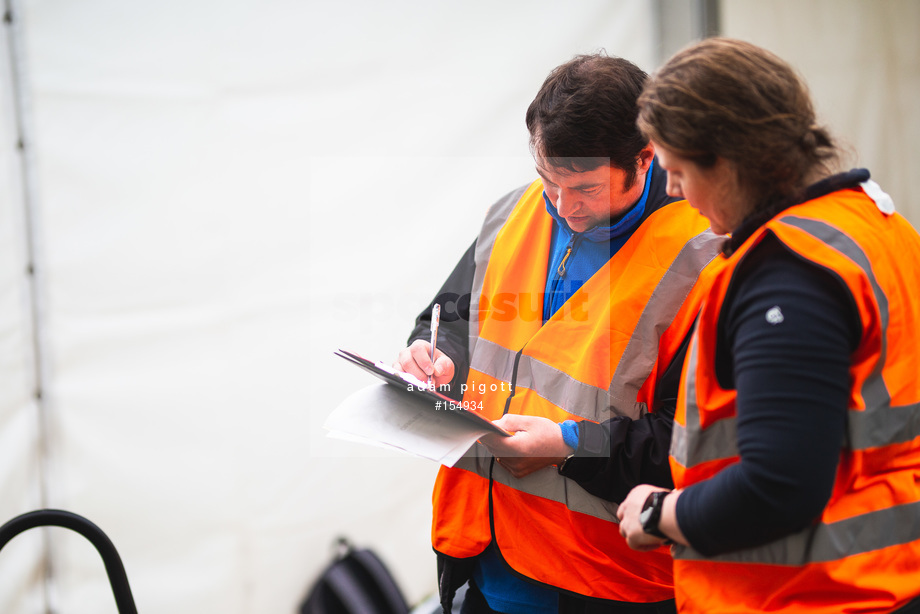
20, 439
862, 63
226, 193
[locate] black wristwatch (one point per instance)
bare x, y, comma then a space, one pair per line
650, 515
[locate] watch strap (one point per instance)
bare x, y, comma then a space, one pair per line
652, 514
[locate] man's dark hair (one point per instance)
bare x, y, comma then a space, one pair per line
585, 115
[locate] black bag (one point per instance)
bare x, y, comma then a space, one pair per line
356, 582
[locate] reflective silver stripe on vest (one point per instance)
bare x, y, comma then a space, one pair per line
641, 352
717, 441
548, 484
879, 424
872, 429
477, 459
545, 483
874, 391
496, 217
493, 359
561, 389
557, 387
824, 543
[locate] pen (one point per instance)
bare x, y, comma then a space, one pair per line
435, 320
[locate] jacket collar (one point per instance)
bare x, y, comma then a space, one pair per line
834, 183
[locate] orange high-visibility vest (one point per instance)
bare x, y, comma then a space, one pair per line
863, 553
598, 357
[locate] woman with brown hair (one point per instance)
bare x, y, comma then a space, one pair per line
796, 443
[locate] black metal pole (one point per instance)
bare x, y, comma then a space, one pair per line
114, 567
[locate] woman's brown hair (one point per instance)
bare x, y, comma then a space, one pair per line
731, 99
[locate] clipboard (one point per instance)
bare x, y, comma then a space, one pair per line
420, 390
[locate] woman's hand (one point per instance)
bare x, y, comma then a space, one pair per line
631, 526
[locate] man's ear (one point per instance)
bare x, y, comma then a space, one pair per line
644, 159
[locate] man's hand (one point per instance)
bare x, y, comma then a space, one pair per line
537, 443
416, 360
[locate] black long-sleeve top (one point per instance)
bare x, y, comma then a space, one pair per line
791, 374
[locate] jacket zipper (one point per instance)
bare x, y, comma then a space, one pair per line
561, 269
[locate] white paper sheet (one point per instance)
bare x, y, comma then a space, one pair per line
382, 415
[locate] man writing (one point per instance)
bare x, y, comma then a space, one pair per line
565, 316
